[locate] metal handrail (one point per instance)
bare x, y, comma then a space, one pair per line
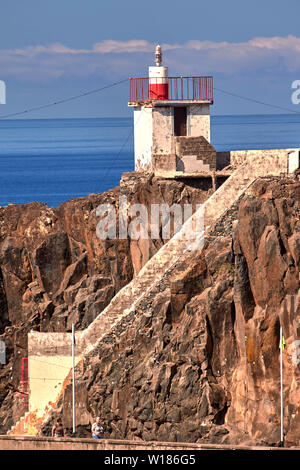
179, 88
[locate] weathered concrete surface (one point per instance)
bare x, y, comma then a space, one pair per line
46, 443
142, 138
198, 121
239, 157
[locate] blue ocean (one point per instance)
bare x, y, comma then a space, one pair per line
53, 160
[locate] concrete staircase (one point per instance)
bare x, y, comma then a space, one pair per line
128, 298
28, 425
21, 426
205, 154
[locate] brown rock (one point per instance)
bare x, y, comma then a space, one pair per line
199, 360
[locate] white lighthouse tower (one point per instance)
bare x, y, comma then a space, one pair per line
172, 122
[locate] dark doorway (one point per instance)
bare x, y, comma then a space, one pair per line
180, 121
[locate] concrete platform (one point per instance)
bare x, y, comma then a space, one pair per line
68, 443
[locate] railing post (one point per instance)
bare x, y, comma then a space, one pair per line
181, 88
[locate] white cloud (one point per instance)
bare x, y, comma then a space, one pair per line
119, 58
291, 43
110, 46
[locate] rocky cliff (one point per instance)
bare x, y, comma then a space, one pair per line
55, 271
199, 359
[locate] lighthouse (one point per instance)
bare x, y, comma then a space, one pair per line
172, 122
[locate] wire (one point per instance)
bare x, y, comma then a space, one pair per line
65, 100
81, 95
46, 378
257, 101
119, 153
97, 90
116, 158
50, 363
217, 89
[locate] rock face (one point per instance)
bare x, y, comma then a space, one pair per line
199, 359
55, 271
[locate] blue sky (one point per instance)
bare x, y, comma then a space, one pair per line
50, 50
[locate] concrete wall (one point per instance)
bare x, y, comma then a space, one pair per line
249, 165
162, 130
68, 443
198, 121
279, 160
49, 363
293, 161
44, 386
142, 138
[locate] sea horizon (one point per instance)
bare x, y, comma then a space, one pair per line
130, 117
52, 160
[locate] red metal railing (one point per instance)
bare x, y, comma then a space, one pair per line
25, 400
180, 89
